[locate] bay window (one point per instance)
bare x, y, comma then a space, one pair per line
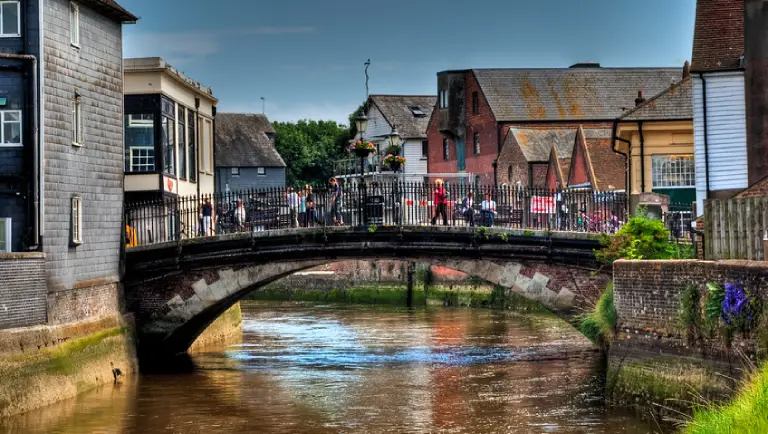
673, 171
140, 142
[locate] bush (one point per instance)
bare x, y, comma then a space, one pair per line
641, 238
600, 324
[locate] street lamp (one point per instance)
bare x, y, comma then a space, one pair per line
394, 138
361, 121
394, 143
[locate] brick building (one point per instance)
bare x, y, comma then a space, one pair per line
61, 157
484, 116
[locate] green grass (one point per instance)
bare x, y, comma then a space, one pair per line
746, 414
600, 324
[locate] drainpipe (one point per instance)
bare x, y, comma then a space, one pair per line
642, 156
213, 144
37, 152
498, 155
40, 134
706, 132
627, 156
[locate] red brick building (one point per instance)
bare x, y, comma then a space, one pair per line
484, 116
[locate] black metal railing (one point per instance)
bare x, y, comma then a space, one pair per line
679, 220
363, 205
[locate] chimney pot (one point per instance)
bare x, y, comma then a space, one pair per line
639, 100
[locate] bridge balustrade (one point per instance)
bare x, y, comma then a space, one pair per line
371, 204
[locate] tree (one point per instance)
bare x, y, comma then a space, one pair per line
309, 149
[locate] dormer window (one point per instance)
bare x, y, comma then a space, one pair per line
417, 111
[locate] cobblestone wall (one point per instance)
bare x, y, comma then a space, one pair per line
22, 290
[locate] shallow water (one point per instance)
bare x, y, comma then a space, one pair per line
332, 369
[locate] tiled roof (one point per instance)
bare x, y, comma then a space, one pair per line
718, 37
241, 141
111, 9
536, 143
675, 102
575, 94
397, 110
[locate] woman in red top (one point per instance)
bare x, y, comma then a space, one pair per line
440, 201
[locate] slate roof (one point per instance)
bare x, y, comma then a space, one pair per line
537, 143
675, 102
396, 110
718, 36
111, 9
568, 94
241, 141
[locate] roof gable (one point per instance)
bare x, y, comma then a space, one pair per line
568, 93
242, 141
580, 172
673, 103
410, 113
555, 169
536, 143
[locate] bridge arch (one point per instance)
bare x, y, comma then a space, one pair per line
177, 290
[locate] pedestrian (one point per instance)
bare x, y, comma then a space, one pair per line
302, 208
441, 202
206, 212
488, 210
293, 206
337, 196
239, 215
467, 210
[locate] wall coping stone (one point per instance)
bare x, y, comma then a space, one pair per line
14, 256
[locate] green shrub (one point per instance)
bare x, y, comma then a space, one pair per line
690, 313
599, 325
641, 238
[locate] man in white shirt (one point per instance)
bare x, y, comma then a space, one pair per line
488, 210
293, 206
240, 215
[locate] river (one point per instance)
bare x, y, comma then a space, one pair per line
343, 369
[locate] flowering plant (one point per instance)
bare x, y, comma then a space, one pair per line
389, 159
737, 307
362, 146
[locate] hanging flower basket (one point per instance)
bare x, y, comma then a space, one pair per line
362, 149
394, 162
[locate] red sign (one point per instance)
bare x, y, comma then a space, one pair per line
170, 184
542, 205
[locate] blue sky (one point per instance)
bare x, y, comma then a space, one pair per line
305, 57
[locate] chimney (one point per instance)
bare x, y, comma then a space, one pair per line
639, 100
686, 70
756, 87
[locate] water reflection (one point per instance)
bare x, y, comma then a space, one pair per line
331, 369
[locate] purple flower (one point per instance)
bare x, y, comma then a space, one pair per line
735, 304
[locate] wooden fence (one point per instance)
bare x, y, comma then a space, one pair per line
734, 228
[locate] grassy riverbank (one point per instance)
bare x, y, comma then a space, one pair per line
745, 414
396, 295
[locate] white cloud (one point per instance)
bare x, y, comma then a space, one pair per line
180, 48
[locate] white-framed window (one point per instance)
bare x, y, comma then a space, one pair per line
5, 234
10, 136
10, 19
261, 171
443, 99
142, 159
476, 140
74, 24
77, 121
76, 237
235, 171
141, 121
673, 171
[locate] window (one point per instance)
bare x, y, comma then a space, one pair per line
169, 137
74, 23
417, 111
77, 121
191, 146
205, 148
446, 150
673, 171
5, 235
235, 171
475, 103
424, 149
10, 136
477, 143
261, 171
10, 19
77, 221
182, 143
140, 143
443, 99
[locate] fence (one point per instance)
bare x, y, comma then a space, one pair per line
395, 203
734, 228
679, 219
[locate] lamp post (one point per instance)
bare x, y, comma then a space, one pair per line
394, 143
361, 121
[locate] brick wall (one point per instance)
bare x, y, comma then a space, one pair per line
647, 293
758, 189
83, 303
93, 171
23, 291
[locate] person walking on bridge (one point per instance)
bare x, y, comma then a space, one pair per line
293, 206
337, 195
468, 210
441, 202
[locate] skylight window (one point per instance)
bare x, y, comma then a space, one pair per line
417, 111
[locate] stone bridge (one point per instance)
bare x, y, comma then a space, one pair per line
176, 289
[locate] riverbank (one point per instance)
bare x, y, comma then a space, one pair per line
226, 330
45, 364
